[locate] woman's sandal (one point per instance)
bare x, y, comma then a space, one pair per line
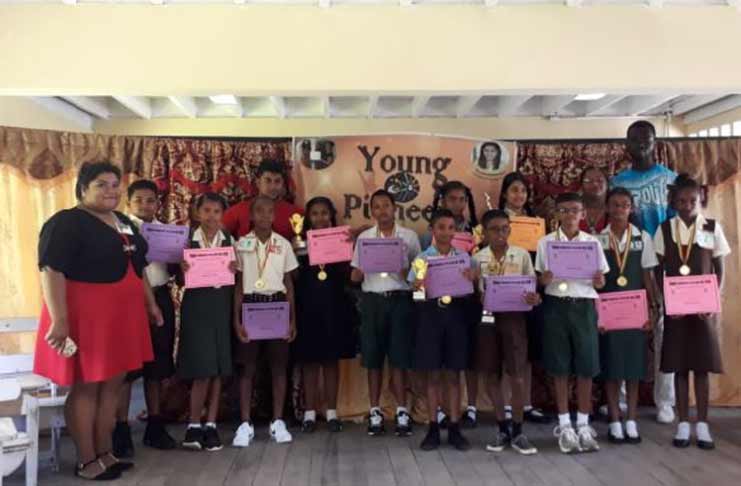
117, 465
106, 474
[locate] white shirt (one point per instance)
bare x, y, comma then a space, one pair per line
648, 253
516, 262
715, 241
156, 272
374, 282
581, 288
200, 237
277, 255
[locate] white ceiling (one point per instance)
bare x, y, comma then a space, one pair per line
403, 3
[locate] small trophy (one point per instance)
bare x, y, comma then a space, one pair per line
70, 348
478, 237
420, 270
297, 224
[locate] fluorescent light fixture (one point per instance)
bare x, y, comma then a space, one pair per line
224, 99
157, 2
240, 2
69, 2
590, 96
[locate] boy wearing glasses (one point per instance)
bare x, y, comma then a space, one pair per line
570, 336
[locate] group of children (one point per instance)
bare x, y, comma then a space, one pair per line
431, 341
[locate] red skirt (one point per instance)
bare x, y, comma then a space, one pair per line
110, 326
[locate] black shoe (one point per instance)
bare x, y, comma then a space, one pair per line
107, 474
308, 426
681, 443
633, 440
613, 439
211, 440
456, 439
123, 446
403, 424
536, 416
156, 436
706, 445
194, 438
334, 425
468, 419
432, 439
375, 423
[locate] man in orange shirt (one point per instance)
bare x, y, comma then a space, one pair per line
271, 182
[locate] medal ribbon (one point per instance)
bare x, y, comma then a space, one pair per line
622, 259
685, 256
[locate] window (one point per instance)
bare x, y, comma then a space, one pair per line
702, 133
737, 128
725, 130
714, 132
693, 135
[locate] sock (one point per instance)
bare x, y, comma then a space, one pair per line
211, 424
564, 419
616, 429
440, 415
310, 415
683, 431
472, 408
631, 428
582, 419
375, 409
516, 429
401, 409
527, 408
503, 426
194, 425
331, 414
703, 432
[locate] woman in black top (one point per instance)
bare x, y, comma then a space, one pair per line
91, 259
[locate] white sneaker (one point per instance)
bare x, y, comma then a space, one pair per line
245, 434
279, 432
587, 439
568, 441
665, 414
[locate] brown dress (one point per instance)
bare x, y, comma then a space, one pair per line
691, 342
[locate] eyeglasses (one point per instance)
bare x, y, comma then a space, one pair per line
569, 210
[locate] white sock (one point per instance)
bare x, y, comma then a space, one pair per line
331, 414
310, 415
564, 419
401, 409
631, 429
527, 408
703, 432
194, 426
616, 429
211, 424
375, 409
683, 431
471, 408
582, 419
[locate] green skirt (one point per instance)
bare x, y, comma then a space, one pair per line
205, 344
623, 355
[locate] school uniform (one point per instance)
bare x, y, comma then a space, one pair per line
204, 345
623, 353
386, 310
278, 260
570, 342
503, 347
106, 303
691, 342
442, 336
163, 337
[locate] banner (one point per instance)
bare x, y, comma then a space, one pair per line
411, 167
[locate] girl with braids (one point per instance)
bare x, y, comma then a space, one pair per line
690, 244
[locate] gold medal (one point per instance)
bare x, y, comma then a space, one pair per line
684, 270
621, 257
685, 255
259, 284
446, 299
622, 281
563, 287
322, 275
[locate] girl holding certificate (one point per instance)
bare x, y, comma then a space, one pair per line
690, 244
204, 347
631, 256
325, 321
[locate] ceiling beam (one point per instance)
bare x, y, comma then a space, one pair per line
574, 3
65, 110
139, 105
418, 105
491, 3
595, 106
722, 106
509, 105
186, 104
325, 3
550, 105
642, 104
372, 105
326, 107
279, 104
465, 105
655, 3
90, 105
683, 106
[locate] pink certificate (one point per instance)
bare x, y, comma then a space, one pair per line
463, 241
209, 267
695, 294
622, 310
330, 245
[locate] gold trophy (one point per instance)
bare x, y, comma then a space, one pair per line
478, 238
420, 270
297, 224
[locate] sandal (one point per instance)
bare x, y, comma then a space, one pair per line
105, 475
116, 465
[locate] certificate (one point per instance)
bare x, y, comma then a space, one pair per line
209, 267
694, 294
445, 276
330, 245
463, 241
573, 260
266, 320
526, 232
622, 310
166, 242
381, 255
504, 293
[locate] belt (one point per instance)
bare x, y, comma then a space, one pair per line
259, 298
392, 293
569, 299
